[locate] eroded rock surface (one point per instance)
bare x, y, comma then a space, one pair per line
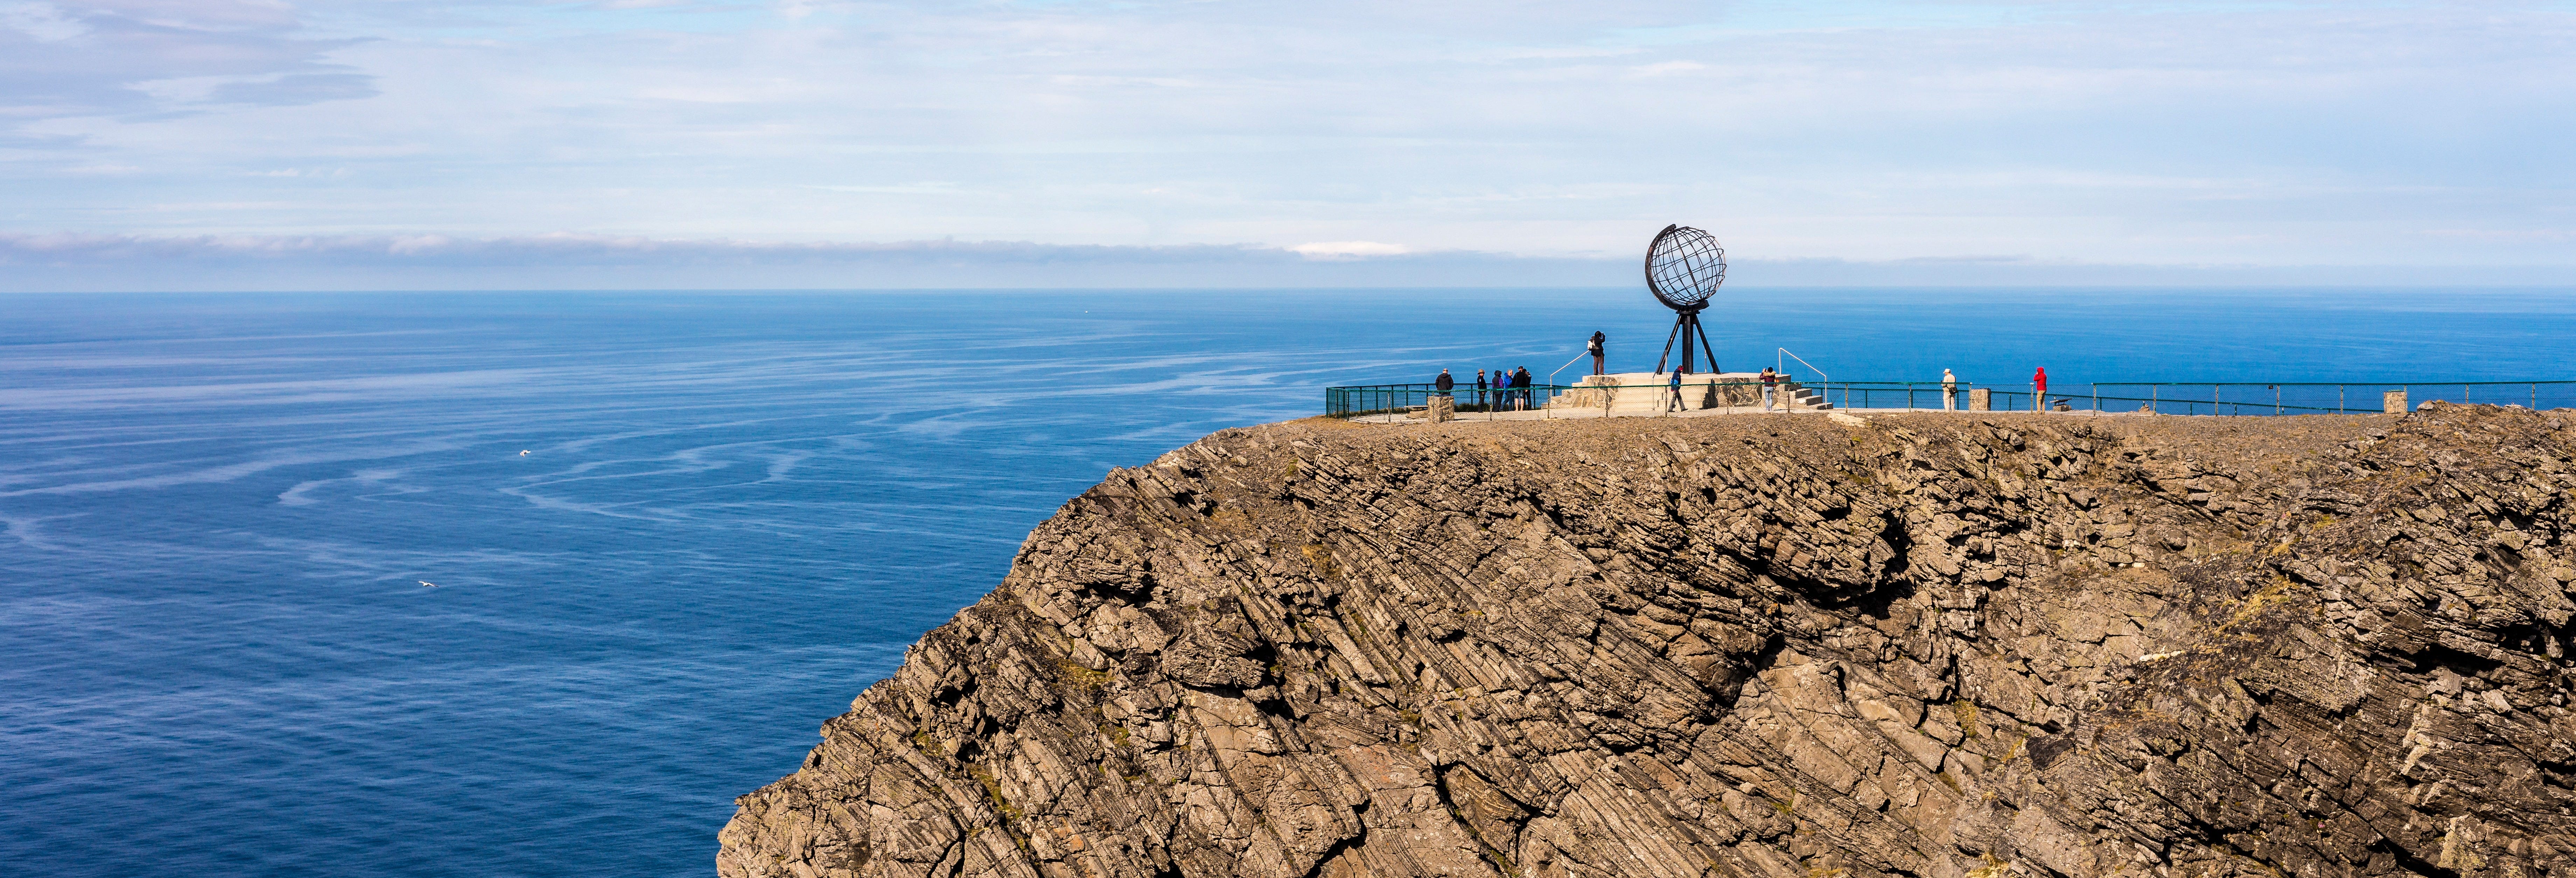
1952, 646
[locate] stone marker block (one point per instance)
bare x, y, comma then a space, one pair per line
1443, 408
1981, 399
2393, 402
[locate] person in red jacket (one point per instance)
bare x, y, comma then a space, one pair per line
2039, 390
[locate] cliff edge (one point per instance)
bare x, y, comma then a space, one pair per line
1949, 646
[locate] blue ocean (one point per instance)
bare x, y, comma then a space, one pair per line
671, 533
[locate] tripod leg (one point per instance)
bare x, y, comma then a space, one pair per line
1668, 347
1703, 343
1690, 324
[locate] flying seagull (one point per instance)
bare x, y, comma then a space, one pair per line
428, 584
523, 454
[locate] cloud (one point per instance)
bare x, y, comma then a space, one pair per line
2086, 133
1348, 249
77, 263
41, 21
136, 58
68, 262
294, 89
578, 250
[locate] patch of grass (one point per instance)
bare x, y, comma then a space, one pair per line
1074, 673
2272, 594
1966, 711
1321, 559
993, 791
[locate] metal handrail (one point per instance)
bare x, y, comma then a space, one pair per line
2315, 383
1551, 376
1777, 366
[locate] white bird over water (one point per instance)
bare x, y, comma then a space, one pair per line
428, 584
523, 454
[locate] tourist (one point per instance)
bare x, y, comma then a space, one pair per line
1480, 387
2039, 390
1770, 383
1521, 379
1444, 383
1949, 391
1600, 355
1676, 401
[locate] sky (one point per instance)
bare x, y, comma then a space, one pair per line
169, 144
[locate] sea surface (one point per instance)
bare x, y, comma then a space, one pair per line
671, 533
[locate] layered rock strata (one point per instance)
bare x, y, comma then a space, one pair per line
1948, 646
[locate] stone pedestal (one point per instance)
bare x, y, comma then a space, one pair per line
1442, 408
1981, 399
1636, 394
2393, 402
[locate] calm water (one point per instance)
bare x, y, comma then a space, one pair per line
733, 514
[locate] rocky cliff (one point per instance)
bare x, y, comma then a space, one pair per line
1951, 646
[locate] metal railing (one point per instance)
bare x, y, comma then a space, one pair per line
1379, 399
1783, 368
1384, 399
1891, 394
2303, 397
2108, 397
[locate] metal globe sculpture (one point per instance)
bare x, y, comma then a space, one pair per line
1684, 267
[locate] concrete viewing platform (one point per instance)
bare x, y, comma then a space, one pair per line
1652, 393
1720, 411
1629, 395
1641, 394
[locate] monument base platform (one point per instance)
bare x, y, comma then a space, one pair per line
1650, 393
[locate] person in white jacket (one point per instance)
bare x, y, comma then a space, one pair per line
1949, 391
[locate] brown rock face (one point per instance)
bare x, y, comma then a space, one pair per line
1950, 646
